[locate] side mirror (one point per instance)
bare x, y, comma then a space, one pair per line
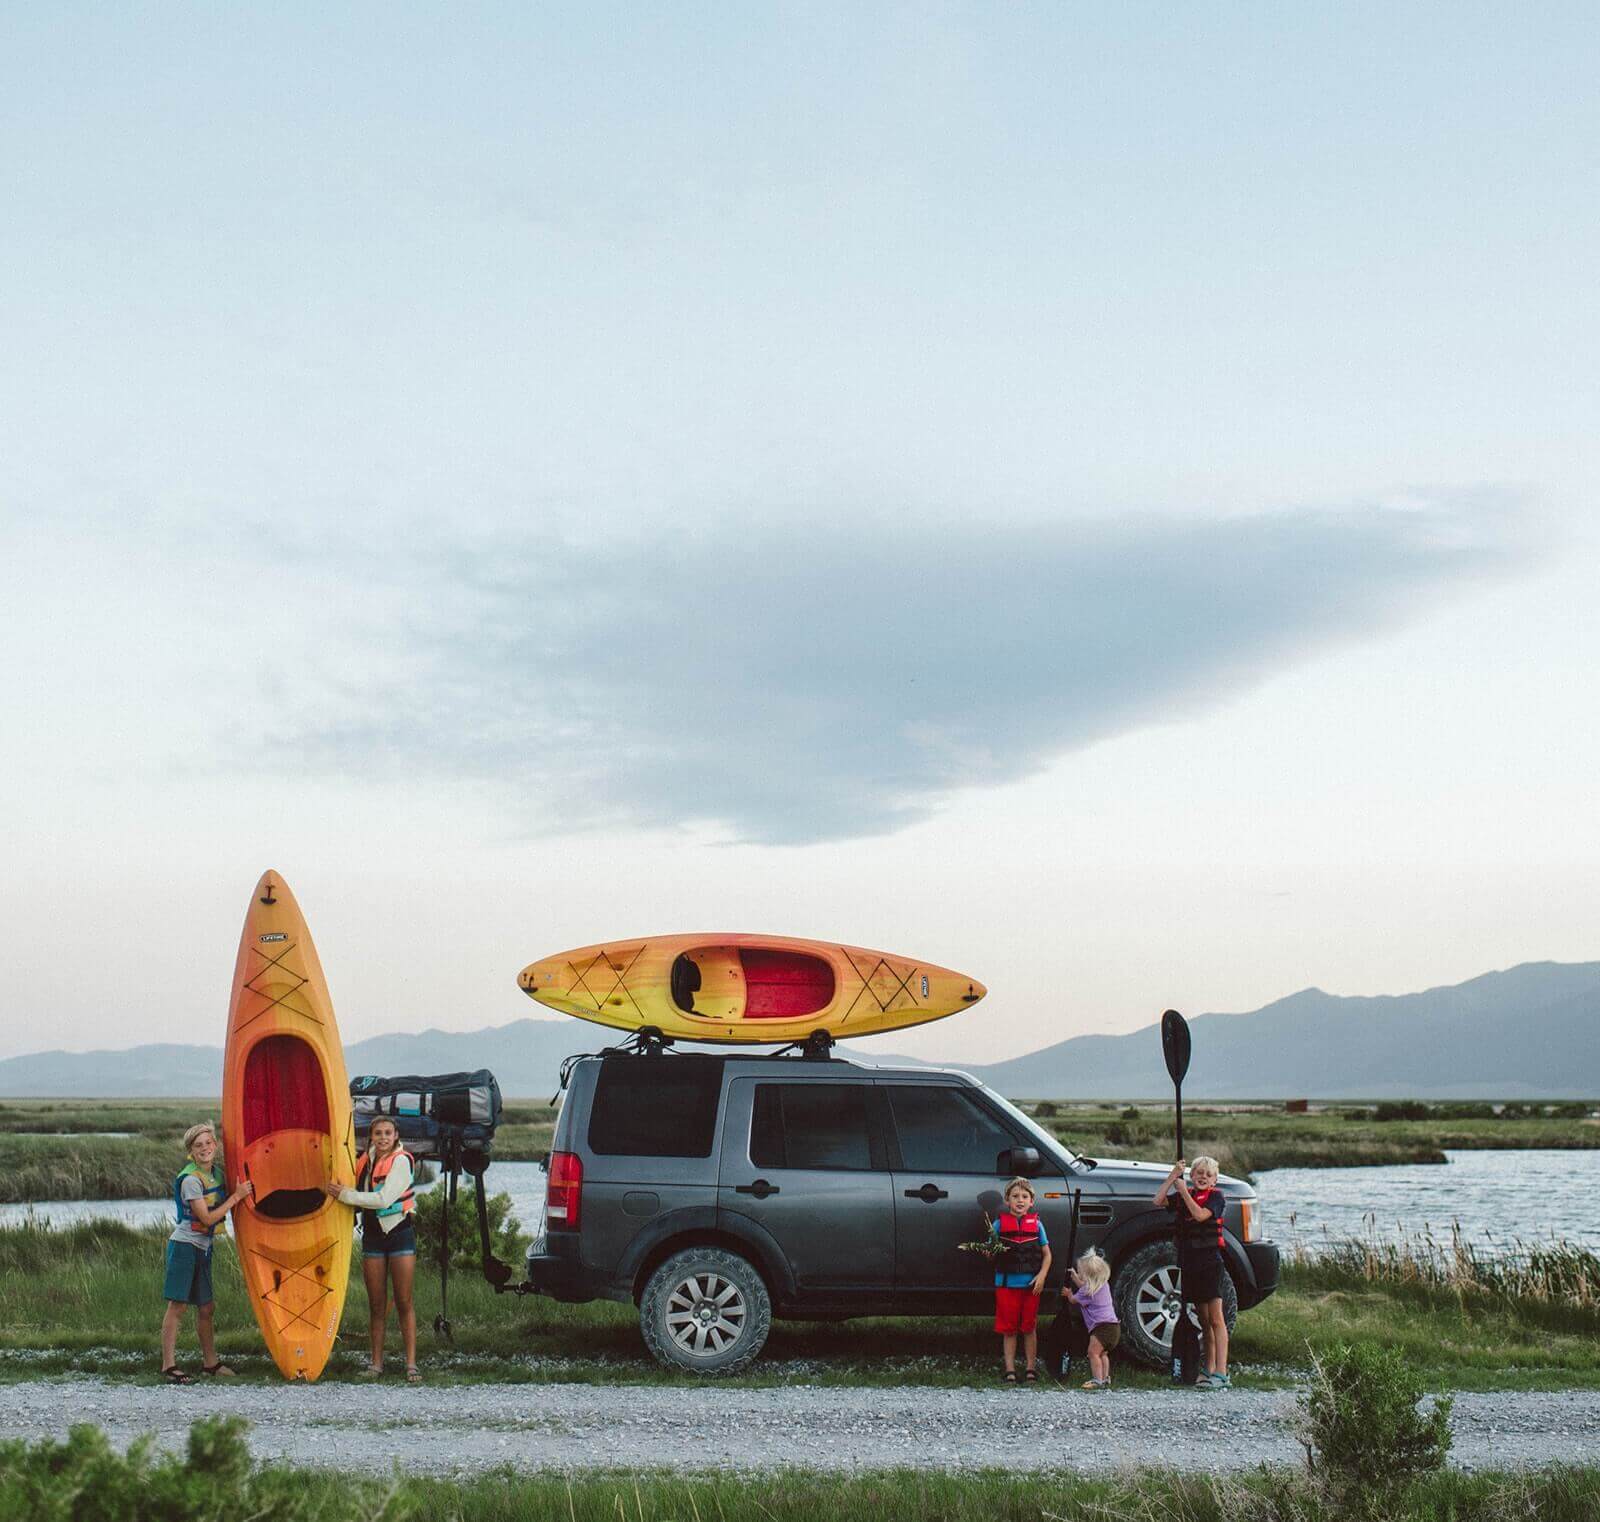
1021, 1161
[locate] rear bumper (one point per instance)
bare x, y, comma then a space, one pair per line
1264, 1268
555, 1269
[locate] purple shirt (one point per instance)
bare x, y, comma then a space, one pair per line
1096, 1307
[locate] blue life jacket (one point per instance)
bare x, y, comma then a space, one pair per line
213, 1196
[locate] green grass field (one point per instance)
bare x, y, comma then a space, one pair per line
89, 1298
48, 1150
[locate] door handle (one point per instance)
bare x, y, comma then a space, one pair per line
928, 1194
760, 1189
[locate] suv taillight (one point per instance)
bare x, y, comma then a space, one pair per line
564, 1191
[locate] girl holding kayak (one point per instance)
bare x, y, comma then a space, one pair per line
386, 1200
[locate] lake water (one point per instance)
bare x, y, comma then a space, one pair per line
1496, 1196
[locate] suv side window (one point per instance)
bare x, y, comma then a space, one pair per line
655, 1106
945, 1130
814, 1125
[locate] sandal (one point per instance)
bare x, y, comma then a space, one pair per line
175, 1376
212, 1370
413, 1374
1009, 1377
1031, 1377
372, 1371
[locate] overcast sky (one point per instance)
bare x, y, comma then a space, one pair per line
1097, 497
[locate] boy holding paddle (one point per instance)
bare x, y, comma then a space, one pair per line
1199, 1212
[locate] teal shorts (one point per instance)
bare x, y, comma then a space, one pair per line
188, 1278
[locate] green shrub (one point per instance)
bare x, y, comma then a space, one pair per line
85, 1477
1365, 1439
1131, 1113
1045, 1110
465, 1247
1401, 1109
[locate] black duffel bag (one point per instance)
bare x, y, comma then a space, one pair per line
434, 1114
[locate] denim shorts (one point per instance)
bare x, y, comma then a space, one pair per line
399, 1243
188, 1279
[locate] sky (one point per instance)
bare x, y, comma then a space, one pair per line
1098, 497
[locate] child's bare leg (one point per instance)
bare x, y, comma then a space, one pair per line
1216, 1338
1030, 1348
169, 1333
205, 1324
1099, 1360
1008, 1345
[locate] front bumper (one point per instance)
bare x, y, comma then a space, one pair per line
1264, 1268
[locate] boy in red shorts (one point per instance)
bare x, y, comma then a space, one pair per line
1019, 1276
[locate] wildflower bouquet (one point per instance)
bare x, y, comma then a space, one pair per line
990, 1247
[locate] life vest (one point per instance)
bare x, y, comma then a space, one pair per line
213, 1196
1201, 1236
1024, 1252
407, 1202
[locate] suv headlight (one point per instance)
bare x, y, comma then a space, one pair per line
1251, 1219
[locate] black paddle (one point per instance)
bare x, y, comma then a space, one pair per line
1185, 1335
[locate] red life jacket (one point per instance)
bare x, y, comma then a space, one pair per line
1024, 1252
407, 1202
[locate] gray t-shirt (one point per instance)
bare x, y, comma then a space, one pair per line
193, 1188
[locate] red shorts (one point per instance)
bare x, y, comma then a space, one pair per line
1015, 1310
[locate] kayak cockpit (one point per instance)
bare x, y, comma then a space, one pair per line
288, 1150
751, 983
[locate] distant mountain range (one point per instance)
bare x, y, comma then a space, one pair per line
1532, 1032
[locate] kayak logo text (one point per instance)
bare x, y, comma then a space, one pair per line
277, 935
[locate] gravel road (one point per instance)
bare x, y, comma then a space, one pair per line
454, 1428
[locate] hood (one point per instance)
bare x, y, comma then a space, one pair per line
1142, 1175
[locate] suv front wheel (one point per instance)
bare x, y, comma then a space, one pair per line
1146, 1294
705, 1310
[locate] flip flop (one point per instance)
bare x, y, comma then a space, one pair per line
175, 1376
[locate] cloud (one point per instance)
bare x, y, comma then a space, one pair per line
787, 684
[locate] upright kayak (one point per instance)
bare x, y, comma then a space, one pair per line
731, 989
286, 1126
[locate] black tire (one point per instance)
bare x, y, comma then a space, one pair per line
705, 1310
1144, 1290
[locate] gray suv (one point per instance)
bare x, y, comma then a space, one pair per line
716, 1192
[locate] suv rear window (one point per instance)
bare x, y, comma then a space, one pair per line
945, 1130
655, 1106
812, 1125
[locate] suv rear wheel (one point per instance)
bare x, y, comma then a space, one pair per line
705, 1310
1146, 1294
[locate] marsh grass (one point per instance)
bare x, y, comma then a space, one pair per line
40, 1167
1248, 1138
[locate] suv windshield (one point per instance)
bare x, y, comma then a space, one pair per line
1048, 1141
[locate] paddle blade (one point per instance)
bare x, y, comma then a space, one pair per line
1175, 1044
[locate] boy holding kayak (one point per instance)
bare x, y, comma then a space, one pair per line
201, 1208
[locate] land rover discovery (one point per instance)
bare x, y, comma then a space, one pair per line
716, 1192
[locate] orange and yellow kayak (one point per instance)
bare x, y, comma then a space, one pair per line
286, 1126
733, 989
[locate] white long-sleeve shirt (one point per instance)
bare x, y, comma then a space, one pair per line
395, 1184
